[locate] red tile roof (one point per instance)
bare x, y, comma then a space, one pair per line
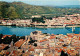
79, 38
6, 36
2, 46
19, 43
61, 40
7, 53
14, 53
69, 23
43, 40
31, 49
77, 34
52, 37
59, 49
69, 51
65, 37
70, 36
64, 47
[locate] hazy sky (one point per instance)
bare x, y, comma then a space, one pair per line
48, 2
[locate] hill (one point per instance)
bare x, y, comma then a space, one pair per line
22, 10
71, 6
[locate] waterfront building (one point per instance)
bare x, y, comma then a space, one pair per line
36, 16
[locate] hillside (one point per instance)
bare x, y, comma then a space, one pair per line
71, 6
22, 10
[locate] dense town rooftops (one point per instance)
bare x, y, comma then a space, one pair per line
43, 40
2, 46
19, 43
47, 45
52, 37
69, 20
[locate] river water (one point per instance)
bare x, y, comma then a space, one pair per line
22, 31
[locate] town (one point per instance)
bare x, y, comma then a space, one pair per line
43, 22
40, 44
39, 27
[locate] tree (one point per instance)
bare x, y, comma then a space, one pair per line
1, 40
35, 44
1, 35
63, 53
14, 38
43, 21
4, 8
22, 37
38, 20
6, 40
12, 13
0, 13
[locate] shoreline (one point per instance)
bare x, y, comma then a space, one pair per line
58, 26
44, 26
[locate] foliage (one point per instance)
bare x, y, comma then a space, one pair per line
63, 53
22, 37
6, 40
21, 10
12, 12
1, 35
35, 44
4, 7
38, 20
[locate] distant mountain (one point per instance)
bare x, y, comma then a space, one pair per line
68, 6
22, 10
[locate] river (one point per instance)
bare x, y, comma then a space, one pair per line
22, 31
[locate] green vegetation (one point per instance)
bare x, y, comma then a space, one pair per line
21, 10
7, 40
38, 20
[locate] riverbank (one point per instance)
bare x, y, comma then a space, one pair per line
61, 26
42, 26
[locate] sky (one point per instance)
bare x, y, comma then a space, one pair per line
48, 2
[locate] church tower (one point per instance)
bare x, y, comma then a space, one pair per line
12, 43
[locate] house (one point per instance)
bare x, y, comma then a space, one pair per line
35, 16
4, 22
3, 46
52, 41
19, 43
35, 35
6, 36
44, 43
